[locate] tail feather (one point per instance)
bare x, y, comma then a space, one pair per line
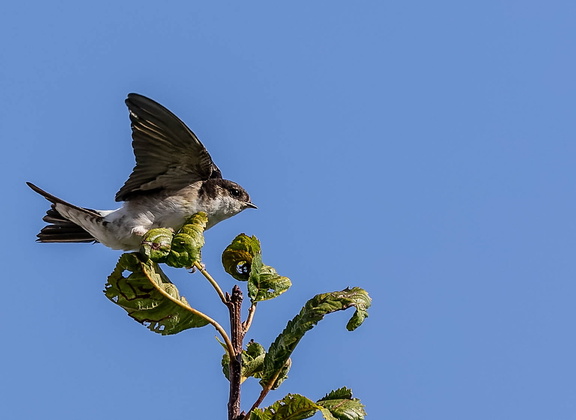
61, 229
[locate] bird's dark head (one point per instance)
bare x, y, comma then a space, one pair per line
222, 199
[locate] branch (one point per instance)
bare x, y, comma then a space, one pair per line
234, 304
261, 397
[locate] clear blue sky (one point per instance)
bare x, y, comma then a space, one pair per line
424, 151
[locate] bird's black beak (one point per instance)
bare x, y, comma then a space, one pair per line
251, 205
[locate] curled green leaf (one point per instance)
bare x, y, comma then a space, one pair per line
150, 297
188, 242
182, 249
237, 257
156, 244
242, 259
313, 311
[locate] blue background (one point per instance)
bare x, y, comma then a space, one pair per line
421, 150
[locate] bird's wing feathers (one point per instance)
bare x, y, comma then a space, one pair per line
168, 154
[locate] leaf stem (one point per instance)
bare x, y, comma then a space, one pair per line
211, 280
246, 324
211, 321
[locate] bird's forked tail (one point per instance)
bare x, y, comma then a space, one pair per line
60, 227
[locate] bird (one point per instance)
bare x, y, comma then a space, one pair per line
174, 178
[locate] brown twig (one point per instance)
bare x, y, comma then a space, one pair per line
234, 303
262, 395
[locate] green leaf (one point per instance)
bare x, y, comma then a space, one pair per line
150, 297
156, 244
252, 361
291, 407
188, 242
342, 406
178, 250
339, 393
313, 311
264, 282
337, 405
242, 259
237, 257
282, 375
326, 413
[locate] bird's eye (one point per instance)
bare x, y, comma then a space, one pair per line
235, 192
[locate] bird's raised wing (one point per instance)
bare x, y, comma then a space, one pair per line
168, 154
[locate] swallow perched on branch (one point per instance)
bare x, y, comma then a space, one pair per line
174, 178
